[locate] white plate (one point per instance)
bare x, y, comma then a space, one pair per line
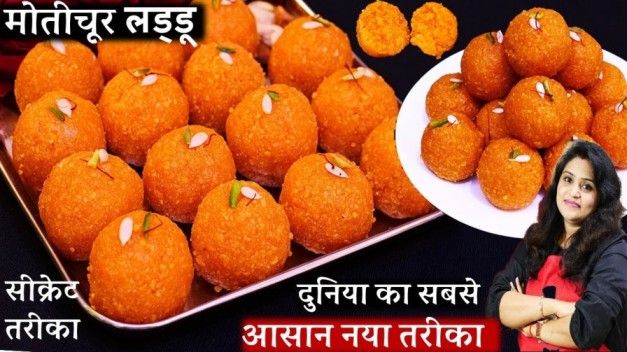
462, 201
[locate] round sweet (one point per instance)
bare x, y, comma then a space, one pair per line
585, 64
328, 201
78, 200
451, 147
510, 173
580, 113
491, 121
553, 154
486, 72
537, 111
141, 273
137, 108
394, 194
349, 105
216, 78
382, 29
118, 55
433, 29
230, 21
58, 65
183, 166
609, 87
269, 130
449, 95
240, 236
309, 50
43, 137
537, 43
609, 129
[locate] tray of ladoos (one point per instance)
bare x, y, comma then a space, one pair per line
203, 296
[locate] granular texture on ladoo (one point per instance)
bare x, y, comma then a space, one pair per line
230, 21
451, 147
182, 167
382, 29
584, 65
241, 235
138, 107
58, 65
537, 111
491, 120
56, 125
486, 73
537, 43
269, 130
609, 128
309, 49
140, 269
510, 173
328, 201
393, 193
348, 106
609, 87
449, 95
215, 79
83, 194
433, 29
115, 56
580, 113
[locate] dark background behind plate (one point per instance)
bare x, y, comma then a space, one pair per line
443, 251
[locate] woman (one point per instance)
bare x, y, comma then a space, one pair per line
565, 286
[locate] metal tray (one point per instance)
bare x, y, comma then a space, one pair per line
202, 296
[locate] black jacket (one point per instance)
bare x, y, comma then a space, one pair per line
600, 315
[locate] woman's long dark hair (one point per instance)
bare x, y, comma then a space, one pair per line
542, 238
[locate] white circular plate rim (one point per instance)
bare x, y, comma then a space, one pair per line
462, 201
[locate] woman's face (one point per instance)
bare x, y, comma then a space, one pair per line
576, 191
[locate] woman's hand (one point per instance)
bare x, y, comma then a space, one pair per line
531, 329
526, 330
560, 308
516, 286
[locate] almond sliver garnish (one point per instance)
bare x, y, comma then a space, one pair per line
65, 106
523, 158
339, 160
534, 23
540, 89
574, 36
498, 110
368, 73
226, 57
58, 46
452, 119
266, 104
335, 170
312, 25
149, 80
358, 73
198, 139
499, 37
126, 230
103, 155
250, 193
619, 107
